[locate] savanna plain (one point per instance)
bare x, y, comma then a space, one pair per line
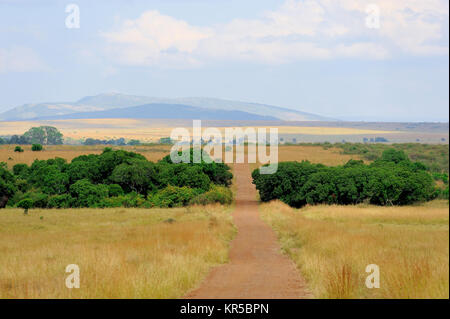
167, 252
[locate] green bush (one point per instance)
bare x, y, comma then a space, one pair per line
173, 196
60, 201
217, 194
36, 147
129, 200
111, 179
86, 194
392, 180
115, 190
21, 170
18, 149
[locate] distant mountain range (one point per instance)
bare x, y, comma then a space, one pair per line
114, 105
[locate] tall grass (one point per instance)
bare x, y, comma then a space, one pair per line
122, 253
332, 245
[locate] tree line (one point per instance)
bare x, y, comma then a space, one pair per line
391, 180
44, 135
113, 178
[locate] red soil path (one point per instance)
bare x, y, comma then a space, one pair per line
256, 269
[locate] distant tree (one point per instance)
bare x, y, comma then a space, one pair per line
134, 142
36, 147
18, 149
19, 139
46, 135
2, 141
165, 140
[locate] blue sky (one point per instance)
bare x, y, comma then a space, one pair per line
329, 57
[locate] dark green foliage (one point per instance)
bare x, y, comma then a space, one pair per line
217, 194
393, 155
7, 185
173, 196
218, 173
60, 201
183, 175
128, 200
26, 204
286, 183
115, 190
138, 175
392, 180
84, 167
86, 194
36, 147
111, 179
18, 149
21, 170
49, 176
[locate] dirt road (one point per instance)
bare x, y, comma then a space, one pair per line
257, 269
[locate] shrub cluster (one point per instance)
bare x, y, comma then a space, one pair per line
120, 141
112, 179
391, 180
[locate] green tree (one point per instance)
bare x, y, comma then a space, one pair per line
136, 175
36, 147
26, 204
46, 135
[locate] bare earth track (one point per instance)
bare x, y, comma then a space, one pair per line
256, 269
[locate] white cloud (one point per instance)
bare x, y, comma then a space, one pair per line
298, 30
20, 59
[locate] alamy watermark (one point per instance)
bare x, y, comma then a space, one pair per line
73, 280
73, 18
203, 142
373, 280
373, 16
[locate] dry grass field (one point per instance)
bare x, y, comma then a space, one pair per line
68, 152
332, 245
122, 253
315, 154
151, 130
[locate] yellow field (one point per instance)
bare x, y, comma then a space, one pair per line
148, 130
332, 245
315, 154
122, 253
68, 152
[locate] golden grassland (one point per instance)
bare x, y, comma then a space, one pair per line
150, 130
332, 245
122, 253
69, 152
315, 154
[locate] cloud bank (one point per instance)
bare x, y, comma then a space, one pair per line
297, 30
